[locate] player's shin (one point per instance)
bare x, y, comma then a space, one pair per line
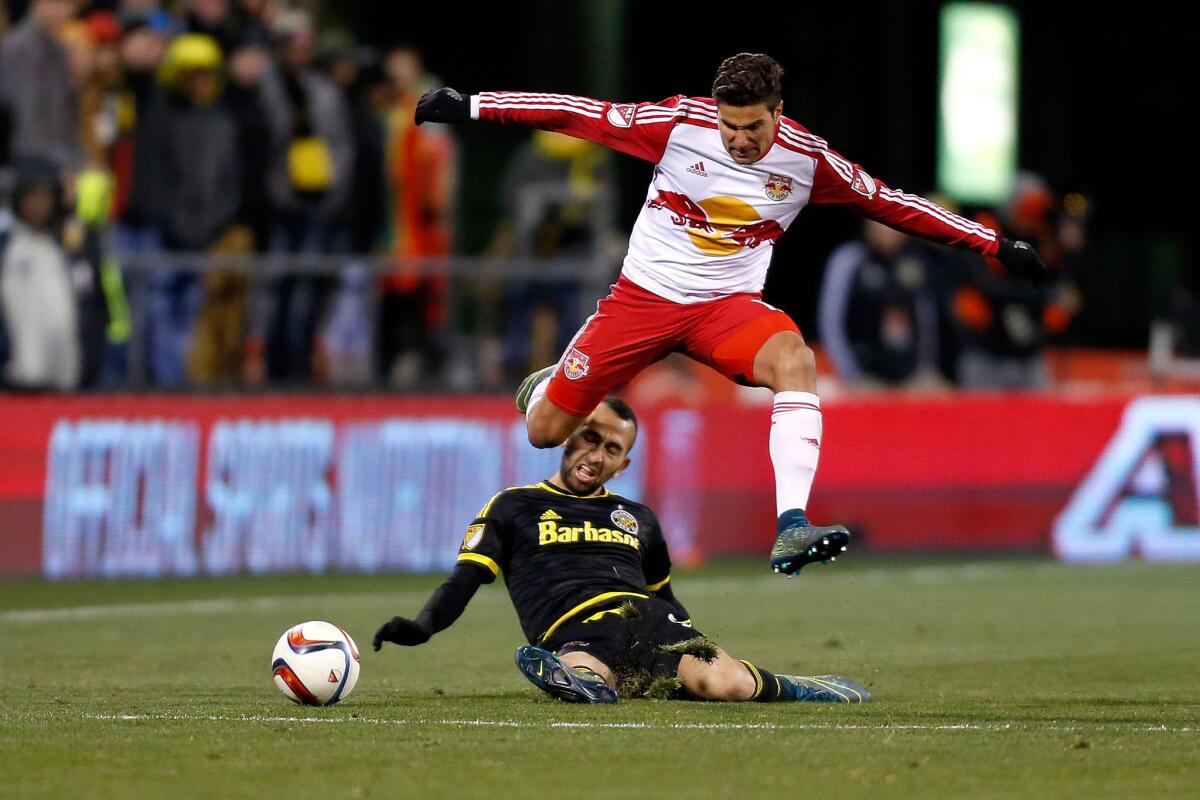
795, 448
767, 687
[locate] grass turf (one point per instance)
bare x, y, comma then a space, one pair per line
992, 679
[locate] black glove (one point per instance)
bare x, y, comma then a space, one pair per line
443, 105
1020, 259
401, 631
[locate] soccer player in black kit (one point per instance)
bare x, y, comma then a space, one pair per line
589, 576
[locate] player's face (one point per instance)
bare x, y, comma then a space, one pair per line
596, 452
747, 131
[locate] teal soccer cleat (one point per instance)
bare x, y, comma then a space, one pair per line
827, 689
572, 684
799, 542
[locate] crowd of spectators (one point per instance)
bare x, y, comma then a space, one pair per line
146, 128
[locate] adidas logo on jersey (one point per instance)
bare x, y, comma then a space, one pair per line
549, 513
698, 169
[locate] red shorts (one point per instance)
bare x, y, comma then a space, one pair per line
632, 328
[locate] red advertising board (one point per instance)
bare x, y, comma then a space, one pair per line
113, 485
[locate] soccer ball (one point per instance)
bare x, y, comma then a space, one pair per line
315, 664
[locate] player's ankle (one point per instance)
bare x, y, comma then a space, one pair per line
793, 516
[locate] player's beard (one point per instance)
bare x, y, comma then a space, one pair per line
568, 474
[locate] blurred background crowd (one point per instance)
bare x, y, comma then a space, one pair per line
232, 194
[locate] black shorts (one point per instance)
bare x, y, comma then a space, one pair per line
628, 637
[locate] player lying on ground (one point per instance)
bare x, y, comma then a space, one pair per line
589, 576
731, 174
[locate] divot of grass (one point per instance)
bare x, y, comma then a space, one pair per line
664, 689
698, 647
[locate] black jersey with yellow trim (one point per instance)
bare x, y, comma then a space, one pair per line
562, 554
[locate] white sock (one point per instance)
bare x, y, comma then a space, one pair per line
795, 447
539, 392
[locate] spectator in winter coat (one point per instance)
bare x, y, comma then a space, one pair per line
38, 299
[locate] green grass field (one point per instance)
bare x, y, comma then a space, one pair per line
1020, 679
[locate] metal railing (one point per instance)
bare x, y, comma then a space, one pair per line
470, 283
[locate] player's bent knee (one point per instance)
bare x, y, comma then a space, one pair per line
794, 369
549, 426
721, 687
786, 364
723, 680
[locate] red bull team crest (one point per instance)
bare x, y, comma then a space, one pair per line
778, 187
575, 365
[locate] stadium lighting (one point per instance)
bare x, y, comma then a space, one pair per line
977, 102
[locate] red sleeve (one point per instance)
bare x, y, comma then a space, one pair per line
840, 182
640, 129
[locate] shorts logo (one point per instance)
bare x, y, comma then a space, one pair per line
778, 186
575, 365
473, 537
621, 115
687, 623
864, 184
624, 520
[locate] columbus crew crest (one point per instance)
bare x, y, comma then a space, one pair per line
624, 520
575, 365
778, 186
473, 536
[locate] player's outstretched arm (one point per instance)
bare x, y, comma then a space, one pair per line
444, 606
637, 129
839, 181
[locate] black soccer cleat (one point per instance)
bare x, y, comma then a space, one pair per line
827, 689
525, 390
799, 542
574, 685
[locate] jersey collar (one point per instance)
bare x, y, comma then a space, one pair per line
550, 487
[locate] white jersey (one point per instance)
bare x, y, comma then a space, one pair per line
708, 225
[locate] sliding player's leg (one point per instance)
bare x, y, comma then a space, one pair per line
574, 664
729, 680
661, 647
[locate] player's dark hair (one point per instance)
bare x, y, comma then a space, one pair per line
748, 79
621, 409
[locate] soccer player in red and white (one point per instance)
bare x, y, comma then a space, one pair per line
731, 173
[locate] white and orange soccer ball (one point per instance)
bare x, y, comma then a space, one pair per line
315, 664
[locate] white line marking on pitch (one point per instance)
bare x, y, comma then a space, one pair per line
718, 726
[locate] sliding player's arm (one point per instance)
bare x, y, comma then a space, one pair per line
479, 560
656, 566
637, 129
839, 181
